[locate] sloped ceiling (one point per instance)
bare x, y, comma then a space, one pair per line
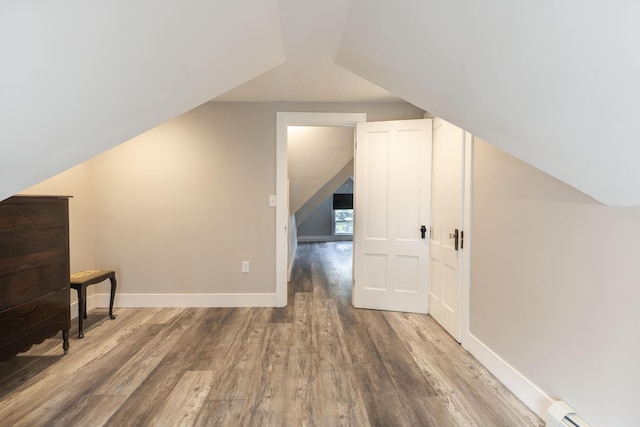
311, 33
309, 166
77, 78
552, 83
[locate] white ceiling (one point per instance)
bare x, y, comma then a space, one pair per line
311, 33
309, 80
552, 83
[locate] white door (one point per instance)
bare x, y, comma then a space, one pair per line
392, 196
447, 243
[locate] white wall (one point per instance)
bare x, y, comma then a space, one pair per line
75, 182
178, 208
293, 244
554, 286
318, 227
181, 206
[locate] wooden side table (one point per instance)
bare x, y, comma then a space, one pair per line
80, 280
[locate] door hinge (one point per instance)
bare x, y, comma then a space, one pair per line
461, 239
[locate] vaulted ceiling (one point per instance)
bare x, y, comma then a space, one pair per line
552, 83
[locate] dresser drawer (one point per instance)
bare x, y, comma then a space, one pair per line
25, 213
31, 315
25, 285
32, 249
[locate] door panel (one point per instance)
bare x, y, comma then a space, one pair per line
447, 216
392, 194
376, 192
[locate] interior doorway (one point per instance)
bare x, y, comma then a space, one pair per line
283, 219
320, 171
284, 120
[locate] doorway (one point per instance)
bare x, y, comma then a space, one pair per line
283, 121
282, 209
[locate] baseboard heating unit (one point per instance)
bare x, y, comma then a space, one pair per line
560, 414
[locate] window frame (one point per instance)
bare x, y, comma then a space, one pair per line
334, 222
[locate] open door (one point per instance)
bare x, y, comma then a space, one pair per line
447, 234
392, 215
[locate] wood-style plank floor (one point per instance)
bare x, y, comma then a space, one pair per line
316, 362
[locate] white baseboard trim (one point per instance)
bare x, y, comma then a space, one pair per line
313, 239
91, 304
187, 300
530, 394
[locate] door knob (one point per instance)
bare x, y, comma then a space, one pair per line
423, 230
456, 237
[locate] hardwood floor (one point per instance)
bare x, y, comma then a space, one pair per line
316, 362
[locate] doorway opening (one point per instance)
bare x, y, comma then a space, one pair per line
284, 223
410, 277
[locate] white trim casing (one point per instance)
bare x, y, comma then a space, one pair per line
528, 393
91, 304
283, 120
334, 238
465, 280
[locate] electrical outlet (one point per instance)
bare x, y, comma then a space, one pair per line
245, 266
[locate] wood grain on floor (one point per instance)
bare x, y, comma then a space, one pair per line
316, 362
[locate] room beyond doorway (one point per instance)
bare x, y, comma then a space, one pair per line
320, 173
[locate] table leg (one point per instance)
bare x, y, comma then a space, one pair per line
82, 302
65, 341
113, 295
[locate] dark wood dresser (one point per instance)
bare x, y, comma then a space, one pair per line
34, 272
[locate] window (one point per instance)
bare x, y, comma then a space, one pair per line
343, 221
343, 214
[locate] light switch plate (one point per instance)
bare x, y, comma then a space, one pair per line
272, 201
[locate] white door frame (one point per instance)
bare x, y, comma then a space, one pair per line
465, 291
283, 120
